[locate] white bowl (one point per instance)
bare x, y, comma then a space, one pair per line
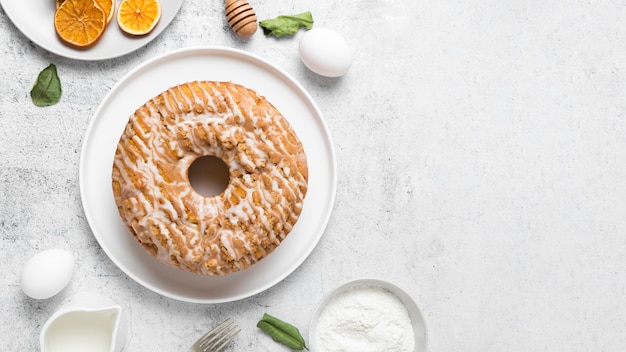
417, 319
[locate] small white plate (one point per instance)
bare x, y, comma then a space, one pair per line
35, 19
417, 319
152, 78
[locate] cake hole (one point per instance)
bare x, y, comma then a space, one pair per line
208, 175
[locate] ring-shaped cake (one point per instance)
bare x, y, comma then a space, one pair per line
216, 235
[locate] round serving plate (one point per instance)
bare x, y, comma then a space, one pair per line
152, 78
35, 19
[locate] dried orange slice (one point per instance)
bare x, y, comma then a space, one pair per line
79, 22
138, 17
109, 8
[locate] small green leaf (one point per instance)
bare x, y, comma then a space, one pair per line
47, 88
282, 332
287, 25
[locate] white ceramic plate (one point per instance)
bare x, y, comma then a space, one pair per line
417, 319
150, 79
35, 19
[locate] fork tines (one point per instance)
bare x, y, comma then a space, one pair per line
216, 339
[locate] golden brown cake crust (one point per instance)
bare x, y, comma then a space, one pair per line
209, 235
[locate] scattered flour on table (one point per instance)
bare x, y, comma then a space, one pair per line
365, 319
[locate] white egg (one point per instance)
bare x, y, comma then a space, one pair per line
325, 52
47, 273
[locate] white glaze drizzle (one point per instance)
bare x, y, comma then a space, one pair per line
209, 235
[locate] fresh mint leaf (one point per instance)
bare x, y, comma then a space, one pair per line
287, 25
282, 332
47, 88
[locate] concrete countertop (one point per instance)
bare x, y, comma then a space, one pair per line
481, 161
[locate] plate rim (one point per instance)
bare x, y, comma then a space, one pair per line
332, 188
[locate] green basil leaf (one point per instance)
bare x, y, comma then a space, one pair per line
287, 25
282, 332
47, 88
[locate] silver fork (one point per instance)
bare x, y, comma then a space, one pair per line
216, 339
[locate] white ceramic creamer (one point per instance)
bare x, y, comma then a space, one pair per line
87, 321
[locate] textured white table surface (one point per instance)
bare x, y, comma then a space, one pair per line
481, 152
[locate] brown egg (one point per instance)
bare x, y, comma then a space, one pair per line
241, 17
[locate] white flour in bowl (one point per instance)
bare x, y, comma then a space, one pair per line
365, 319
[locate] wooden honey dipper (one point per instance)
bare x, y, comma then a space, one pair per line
241, 17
